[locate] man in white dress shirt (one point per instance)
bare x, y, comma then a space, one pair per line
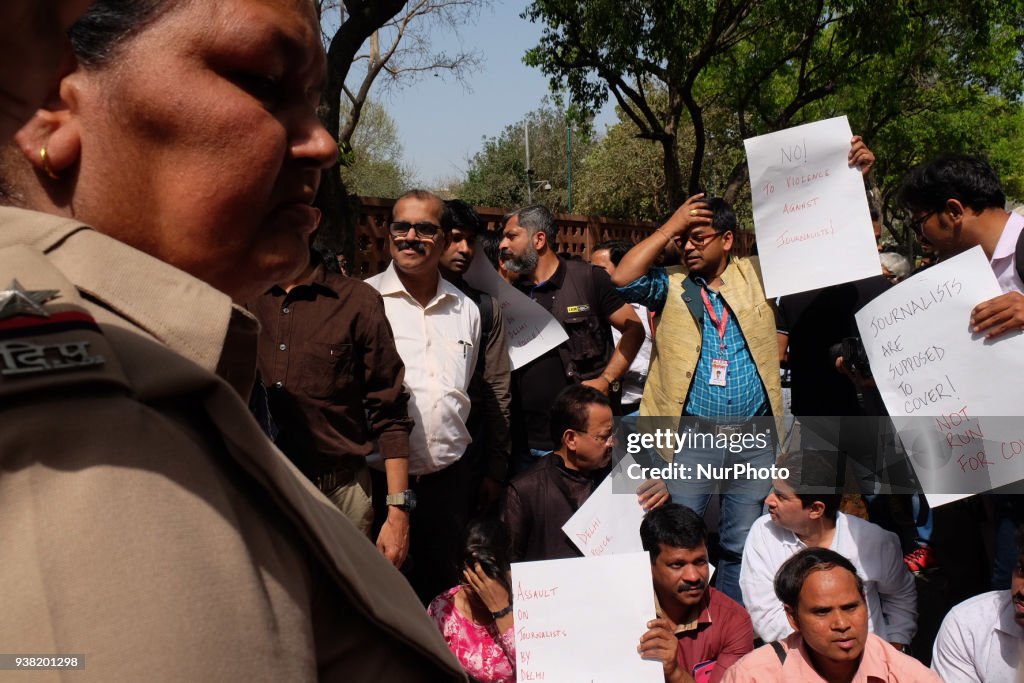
799, 520
437, 332
982, 639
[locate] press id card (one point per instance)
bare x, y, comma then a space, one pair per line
719, 368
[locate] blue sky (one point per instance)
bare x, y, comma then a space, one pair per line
441, 123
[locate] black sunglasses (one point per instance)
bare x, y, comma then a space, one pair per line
401, 229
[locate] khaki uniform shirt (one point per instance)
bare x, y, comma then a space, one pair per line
147, 523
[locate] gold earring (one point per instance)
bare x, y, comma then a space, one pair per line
45, 159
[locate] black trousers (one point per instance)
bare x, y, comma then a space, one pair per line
437, 527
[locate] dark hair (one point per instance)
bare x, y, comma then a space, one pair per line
1020, 540
490, 242
489, 542
810, 469
968, 179
673, 525
616, 249
108, 24
423, 196
723, 218
461, 215
570, 410
789, 580
831, 501
535, 218
320, 253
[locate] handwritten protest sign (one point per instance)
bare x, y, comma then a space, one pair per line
530, 329
811, 216
945, 387
607, 523
580, 620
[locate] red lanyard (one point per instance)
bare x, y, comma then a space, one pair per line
719, 324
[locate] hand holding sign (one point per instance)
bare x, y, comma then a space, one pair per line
811, 213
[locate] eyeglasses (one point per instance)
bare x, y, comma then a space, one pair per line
427, 230
700, 241
917, 224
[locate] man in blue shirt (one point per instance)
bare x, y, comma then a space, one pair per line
715, 362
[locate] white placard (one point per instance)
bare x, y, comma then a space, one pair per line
607, 523
944, 386
530, 329
811, 215
580, 620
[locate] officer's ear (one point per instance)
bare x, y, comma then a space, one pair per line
51, 141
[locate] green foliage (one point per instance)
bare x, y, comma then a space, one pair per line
915, 76
373, 166
497, 173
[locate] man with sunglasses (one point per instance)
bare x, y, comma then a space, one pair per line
715, 362
437, 332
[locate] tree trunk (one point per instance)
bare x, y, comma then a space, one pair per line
737, 179
338, 223
673, 173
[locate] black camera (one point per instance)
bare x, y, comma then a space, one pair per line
855, 357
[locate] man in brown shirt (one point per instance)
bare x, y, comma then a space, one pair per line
334, 384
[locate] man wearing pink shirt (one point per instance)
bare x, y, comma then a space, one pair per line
824, 602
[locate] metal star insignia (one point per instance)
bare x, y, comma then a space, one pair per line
15, 301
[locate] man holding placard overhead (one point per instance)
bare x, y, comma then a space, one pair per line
956, 202
715, 361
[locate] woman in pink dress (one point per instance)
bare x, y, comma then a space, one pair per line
475, 617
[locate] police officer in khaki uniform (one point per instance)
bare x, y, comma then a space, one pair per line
149, 527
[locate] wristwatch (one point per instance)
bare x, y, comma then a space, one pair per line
613, 384
403, 500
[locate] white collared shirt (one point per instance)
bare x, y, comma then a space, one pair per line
876, 554
636, 376
438, 344
1003, 261
979, 641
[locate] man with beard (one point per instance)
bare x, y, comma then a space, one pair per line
824, 601
583, 300
982, 639
437, 332
699, 632
489, 389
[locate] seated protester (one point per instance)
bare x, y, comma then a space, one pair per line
699, 632
475, 617
982, 639
539, 501
797, 520
824, 600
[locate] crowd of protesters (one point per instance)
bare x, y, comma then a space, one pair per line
158, 339
673, 326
